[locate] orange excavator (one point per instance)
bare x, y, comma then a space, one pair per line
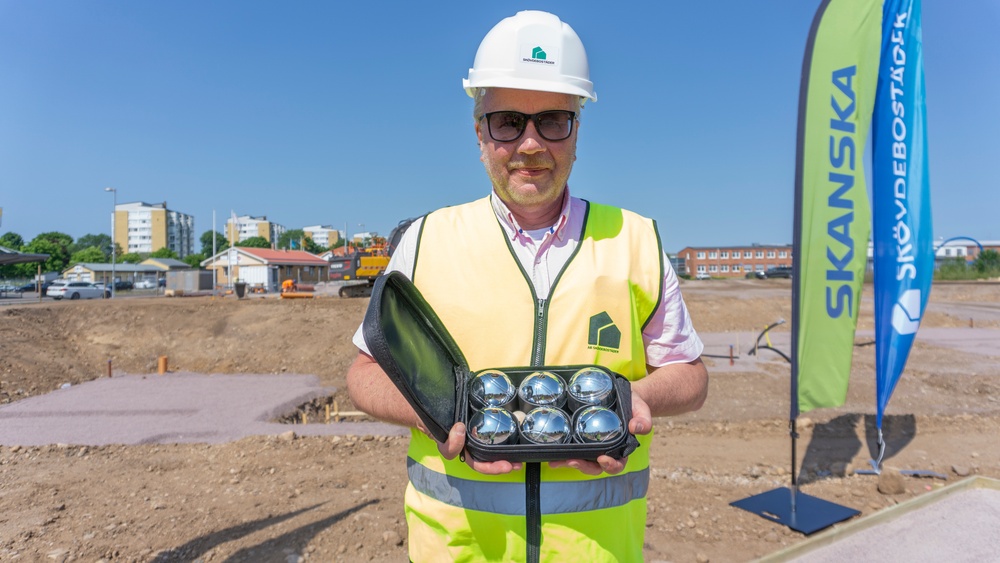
360, 268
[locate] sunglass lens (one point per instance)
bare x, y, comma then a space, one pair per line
555, 125
506, 125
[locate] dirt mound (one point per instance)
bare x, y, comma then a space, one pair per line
49, 344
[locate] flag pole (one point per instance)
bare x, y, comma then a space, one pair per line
787, 506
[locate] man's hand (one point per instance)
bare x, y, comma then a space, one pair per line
456, 444
641, 423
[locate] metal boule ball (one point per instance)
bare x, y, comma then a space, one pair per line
597, 424
491, 388
591, 386
493, 426
541, 389
546, 425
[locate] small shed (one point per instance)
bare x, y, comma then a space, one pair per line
151, 268
264, 268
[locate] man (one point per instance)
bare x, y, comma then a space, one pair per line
520, 278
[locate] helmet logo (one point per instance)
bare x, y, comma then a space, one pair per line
536, 54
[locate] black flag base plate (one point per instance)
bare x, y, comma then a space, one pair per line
810, 514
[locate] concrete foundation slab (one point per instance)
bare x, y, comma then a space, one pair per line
957, 523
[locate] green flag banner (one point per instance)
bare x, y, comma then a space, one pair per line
832, 216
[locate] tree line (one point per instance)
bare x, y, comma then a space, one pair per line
63, 251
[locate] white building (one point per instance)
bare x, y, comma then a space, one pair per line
949, 249
323, 235
144, 228
360, 238
248, 226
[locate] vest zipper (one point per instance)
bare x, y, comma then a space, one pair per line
538, 357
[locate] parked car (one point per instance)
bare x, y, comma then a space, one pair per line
702, 276
162, 282
147, 283
77, 290
31, 287
755, 275
56, 286
123, 285
778, 272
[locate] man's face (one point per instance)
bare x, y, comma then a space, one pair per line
529, 172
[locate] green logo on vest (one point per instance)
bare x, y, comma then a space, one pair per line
538, 53
604, 335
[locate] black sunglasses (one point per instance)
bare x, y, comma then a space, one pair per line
507, 126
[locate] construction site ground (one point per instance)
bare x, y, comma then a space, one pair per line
126, 476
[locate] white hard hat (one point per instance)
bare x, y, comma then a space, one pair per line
532, 50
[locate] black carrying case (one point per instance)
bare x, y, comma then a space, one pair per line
413, 347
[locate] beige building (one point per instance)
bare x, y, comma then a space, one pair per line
145, 228
241, 228
263, 268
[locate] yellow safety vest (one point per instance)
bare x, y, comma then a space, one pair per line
595, 313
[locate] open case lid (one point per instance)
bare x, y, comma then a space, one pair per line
412, 346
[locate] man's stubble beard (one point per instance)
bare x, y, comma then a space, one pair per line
552, 192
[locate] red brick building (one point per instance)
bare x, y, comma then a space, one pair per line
732, 261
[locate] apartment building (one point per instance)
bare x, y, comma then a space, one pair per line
733, 261
323, 235
144, 228
247, 226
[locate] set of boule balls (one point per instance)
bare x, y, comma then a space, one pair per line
544, 408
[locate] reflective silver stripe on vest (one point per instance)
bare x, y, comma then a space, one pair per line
558, 497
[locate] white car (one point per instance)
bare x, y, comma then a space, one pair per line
702, 276
145, 284
77, 290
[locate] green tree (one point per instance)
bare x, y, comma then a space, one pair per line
101, 242
130, 258
56, 245
62, 239
194, 260
311, 246
988, 262
164, 253
11, 240
89, 254
221, 243
255, 242
290, 240
57, 262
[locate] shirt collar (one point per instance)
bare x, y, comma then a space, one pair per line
514, 230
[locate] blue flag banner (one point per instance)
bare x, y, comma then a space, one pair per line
901, 207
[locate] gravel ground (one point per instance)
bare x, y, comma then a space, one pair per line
294, 496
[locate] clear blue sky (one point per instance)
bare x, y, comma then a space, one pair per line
353, 113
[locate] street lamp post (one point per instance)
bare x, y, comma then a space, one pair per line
114, 212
